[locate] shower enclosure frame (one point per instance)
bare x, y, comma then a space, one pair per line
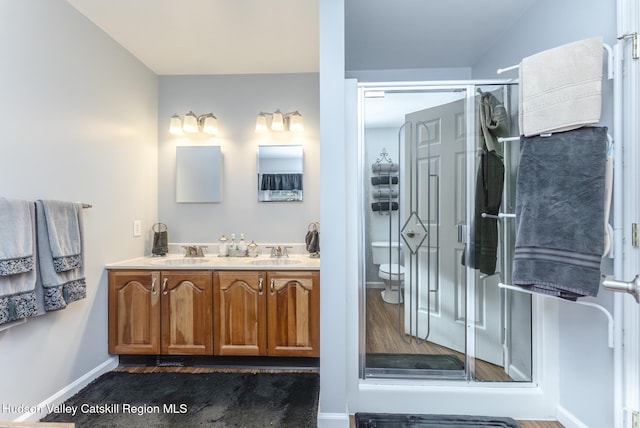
468, 374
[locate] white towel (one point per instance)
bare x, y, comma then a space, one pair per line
385, 167
561, 88
382, 193
64, 233
16, 236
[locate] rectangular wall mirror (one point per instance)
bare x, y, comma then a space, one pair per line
280, 173
198, 174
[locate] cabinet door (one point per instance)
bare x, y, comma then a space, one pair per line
134, 312
186, 313
240, 315
293, 307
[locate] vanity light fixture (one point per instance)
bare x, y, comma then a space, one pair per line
280, 121
192, 124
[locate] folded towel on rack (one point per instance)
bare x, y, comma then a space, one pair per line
63, 233
560, 213
18, 295
383, 192
16, 236
561, 88
383, 180
385, 167
384, 206
59, 288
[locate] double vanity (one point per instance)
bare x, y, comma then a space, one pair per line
220, 306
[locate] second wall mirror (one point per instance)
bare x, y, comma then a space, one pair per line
280, 173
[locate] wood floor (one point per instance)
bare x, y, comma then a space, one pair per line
383, 336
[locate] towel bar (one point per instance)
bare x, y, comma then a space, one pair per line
579, 302
499, 216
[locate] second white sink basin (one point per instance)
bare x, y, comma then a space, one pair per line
273, 262
179, 262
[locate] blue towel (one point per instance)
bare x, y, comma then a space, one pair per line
16, 236
63, 233
18, 295
59, 288
560, 213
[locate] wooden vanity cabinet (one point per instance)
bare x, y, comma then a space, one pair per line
167, 312
274, 313
240, 313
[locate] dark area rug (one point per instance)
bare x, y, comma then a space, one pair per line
132, 400
381, 420
414, 361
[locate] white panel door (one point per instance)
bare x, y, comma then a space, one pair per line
434, 204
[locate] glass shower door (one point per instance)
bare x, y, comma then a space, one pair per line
448, 318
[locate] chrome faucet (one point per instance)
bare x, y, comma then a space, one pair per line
279, 251
194, 250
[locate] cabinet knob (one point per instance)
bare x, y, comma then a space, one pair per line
164, 287
260, 286
272, 286
153, 286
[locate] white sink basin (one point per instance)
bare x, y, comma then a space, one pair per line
273, 262
179, 262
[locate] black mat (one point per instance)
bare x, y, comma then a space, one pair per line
414, 361
382, 420
119, 400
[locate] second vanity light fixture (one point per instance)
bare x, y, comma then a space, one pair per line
192, 124
279, 121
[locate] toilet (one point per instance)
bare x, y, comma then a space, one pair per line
390, 271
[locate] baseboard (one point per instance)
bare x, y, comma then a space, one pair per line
517, 375
569, 420
68, 391
333, 420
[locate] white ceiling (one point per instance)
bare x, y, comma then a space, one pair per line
212, 36
281, 36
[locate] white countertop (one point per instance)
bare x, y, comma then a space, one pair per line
179, 261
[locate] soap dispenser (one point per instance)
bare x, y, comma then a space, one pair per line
242, 246
252, 249
223, 246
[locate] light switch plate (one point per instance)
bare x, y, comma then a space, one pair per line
137, 228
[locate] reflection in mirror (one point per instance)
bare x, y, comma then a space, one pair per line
198, 174
280, 173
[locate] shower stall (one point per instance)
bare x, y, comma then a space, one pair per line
438, 169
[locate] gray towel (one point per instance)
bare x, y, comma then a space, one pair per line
379, 167
560, 212
494, 122
18, 296
64, 233
58, 288
16, 236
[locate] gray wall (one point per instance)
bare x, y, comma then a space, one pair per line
77, 122
585, 361
236, 100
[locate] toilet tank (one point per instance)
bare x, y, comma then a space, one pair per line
380, 252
